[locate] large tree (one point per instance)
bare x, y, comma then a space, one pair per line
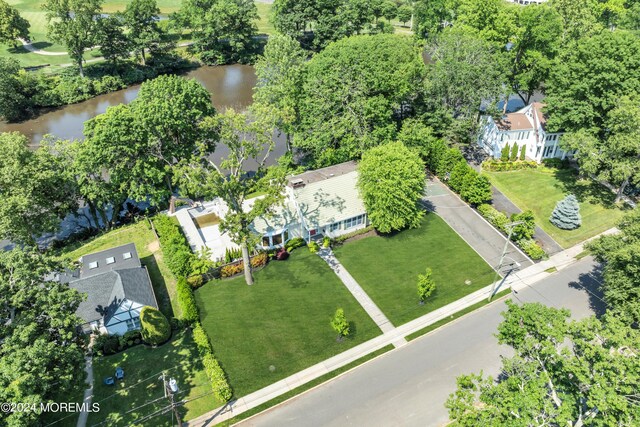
75, 24
588, 82
115, 45
40, 357
223, 30
580, 18
432, 16
391, 182
563, 373
141, 18
35, 196
14, 101
247, 142
494, 20
12, 25
355, 94
280, 73
620, 254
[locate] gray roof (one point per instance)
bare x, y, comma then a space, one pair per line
309, 177
119, 258
105, 292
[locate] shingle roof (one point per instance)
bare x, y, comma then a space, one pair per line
515, 121
116, 257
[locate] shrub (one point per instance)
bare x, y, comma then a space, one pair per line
294, 243
504, 154
195, 281
514, 152
499, 166
524, 230
556, 163
259, 260
523, 152
448, 161
313, 247
326, 242
186, 301
494, 216
476, 188
532, 249
340, 324
426, 285
230, 270
231, 255
219, 383
111, 345
282, 255
202, 340
132, 335
566, 214
341, 239
175, 248
155, 327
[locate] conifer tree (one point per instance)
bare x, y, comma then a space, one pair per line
566, 214
514, 152
523, 152
504, 155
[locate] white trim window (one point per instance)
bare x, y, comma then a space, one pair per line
353, 222
133, 323
335, 226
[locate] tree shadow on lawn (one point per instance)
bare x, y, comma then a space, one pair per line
590, 283
585, 190
142, 385
159, 285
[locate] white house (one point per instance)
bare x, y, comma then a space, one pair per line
526, 126
117, 288
527, 2
322, 202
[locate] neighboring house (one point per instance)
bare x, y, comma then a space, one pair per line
117, 287
526, 126
322, 202
527, 2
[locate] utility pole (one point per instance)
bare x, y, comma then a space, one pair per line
510, 226
169, 389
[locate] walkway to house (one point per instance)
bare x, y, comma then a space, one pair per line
503, 204
88, 393
360, 295
473, 228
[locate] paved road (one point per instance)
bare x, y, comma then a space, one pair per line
408, 386
478, 233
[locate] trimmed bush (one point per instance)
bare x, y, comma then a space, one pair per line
532, 249
155, 326
313, 247
202, 340
195, 281
426, 285
217, 377
326, 242
499, 166
504, 154
231, 270
340, 324
523, 152
556, 163
186, 301
514, 153
341, 239
294, 243
259, 260
566, 214
494, 216
282, 255
525, 230
175, 248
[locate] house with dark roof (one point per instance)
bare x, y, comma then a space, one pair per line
525, 127
117, 286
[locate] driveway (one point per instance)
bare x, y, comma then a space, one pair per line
409, 386
477, 232
503, 204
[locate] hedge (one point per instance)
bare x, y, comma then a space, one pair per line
500, 166
155, 326
532, 248
343, 238
187, 301
175, 248
202, 340
219, 384
494, 216
294, 243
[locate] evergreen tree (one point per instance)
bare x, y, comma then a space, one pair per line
566, 214
504, 155
523, 152
514, 153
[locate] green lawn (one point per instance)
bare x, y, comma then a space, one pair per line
264, 22
164, 283
540, 190
388, 267
280, 325
143, 365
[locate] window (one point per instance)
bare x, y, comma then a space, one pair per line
276, 239
93, 265
111, 260
133, 323
126, 255
335, 226
286, 235
352, 222
265, 241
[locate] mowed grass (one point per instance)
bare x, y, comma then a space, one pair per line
387, 268
539, 190
140, 233
122, 404
280, 325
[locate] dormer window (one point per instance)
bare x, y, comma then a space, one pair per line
126, 255
111, 260
93, 265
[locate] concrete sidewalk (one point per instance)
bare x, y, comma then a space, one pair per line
473, 228
516, 281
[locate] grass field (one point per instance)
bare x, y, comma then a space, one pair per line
388, 267
164, 283
281, 324
540, 190
143, 366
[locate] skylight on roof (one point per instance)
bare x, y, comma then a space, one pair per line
93, 265
126, 255
111, 260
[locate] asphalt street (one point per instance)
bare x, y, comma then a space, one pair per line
409, 386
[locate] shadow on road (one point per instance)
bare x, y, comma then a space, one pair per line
590, 283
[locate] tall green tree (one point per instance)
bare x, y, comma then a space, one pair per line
616, 157
354, 95
41, 357
14, 100
35, 196
141, 18
247, 141
580, 18
620, 254
563, 373
493, 20
223, 30
75, 24
280, 74
391, 182
12, 25
588, 82
114, 43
